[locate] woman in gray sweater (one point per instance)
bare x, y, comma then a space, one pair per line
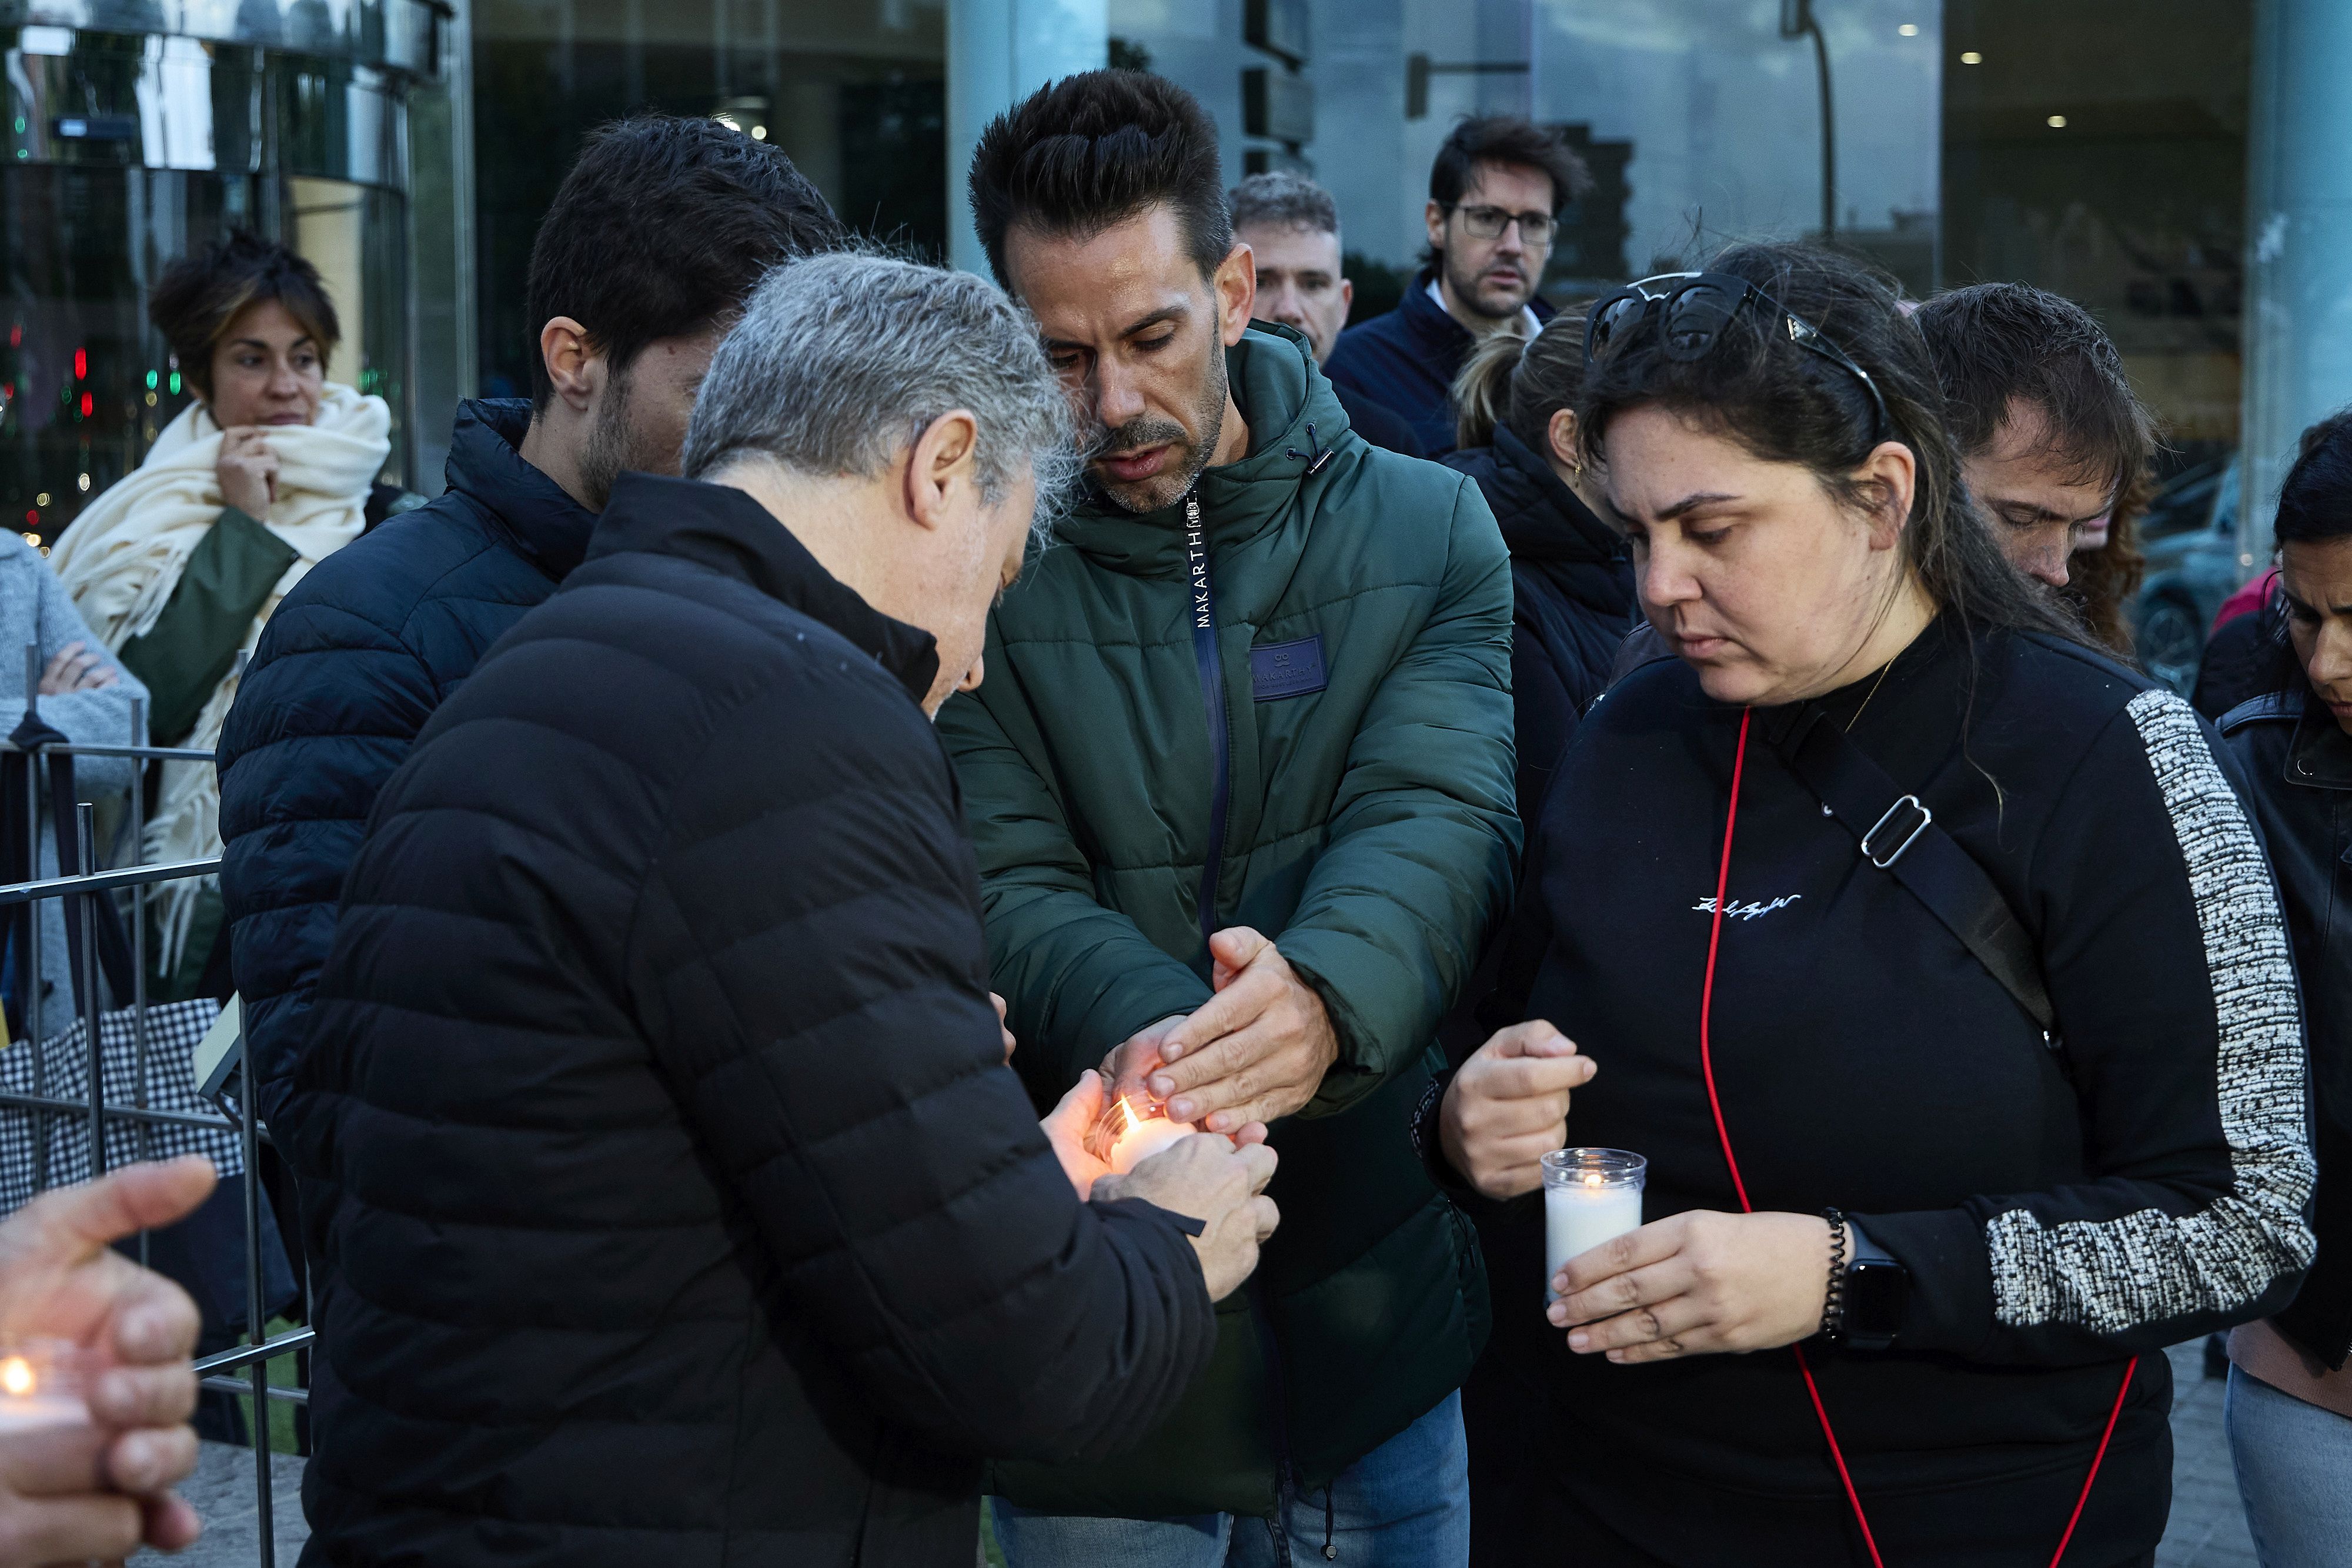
84, 694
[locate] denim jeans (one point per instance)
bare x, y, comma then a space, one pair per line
1406, 1504
2295, 1471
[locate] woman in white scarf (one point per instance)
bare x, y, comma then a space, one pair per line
177, 568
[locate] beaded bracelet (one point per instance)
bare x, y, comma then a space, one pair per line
1834, 1300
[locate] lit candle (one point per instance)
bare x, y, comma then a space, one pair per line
1590, 1195
40, 1385
1138, 1134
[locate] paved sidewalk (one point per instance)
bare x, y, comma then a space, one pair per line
223, 1490
2207, 1530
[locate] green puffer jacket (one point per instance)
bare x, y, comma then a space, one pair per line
1348, 791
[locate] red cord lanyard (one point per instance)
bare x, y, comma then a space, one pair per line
1723, 1135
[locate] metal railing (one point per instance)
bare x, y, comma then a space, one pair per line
78, 887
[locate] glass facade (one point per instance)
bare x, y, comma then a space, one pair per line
2122, 187
2094, 147
855, 90
124, 151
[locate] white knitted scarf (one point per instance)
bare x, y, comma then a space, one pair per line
122, 557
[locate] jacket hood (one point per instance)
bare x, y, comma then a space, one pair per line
1544, 523
487, 466
1293, 417
1541, 516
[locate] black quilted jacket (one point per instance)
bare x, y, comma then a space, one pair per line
682, 1210
1571, 602
348, 670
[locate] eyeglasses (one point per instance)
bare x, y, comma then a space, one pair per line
1489, 223
1696, 309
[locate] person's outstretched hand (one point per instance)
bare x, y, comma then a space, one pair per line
96, 1492
1256, 1051
1206, 1177
1507, 1107
1067, 1130
1127, 1069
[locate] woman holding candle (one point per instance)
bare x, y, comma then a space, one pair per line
1863, 1139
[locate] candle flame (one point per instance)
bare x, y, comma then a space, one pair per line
16, 1375
1592, 1178
1127, 1118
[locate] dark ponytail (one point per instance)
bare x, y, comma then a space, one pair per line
1520, 383
1787, 404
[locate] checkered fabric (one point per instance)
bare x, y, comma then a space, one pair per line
173, 1032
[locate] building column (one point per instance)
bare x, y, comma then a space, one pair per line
999, 52
2298, 303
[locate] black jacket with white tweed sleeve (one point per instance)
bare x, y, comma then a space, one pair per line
2061, 1205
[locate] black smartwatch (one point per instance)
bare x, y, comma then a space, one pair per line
1877, 1291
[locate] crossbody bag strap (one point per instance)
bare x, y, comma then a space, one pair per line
1898, 833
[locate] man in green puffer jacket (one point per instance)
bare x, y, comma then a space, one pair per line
1259, 689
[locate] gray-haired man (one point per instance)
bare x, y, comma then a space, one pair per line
684, 1208
1292, 227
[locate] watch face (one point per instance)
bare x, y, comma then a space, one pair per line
1874, 1294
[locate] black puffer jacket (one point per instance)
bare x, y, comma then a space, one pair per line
349, 669
1572, 601
684, 1211
2297, 763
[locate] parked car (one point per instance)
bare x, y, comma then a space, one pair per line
2190, 537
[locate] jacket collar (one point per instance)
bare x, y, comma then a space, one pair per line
1442, 339
726, 531
2320, 755
1434, 327
1281, 393
546, 524
1545, 520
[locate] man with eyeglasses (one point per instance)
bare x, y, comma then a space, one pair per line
1494, 194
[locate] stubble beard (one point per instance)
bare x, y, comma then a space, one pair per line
1468, 291
1167, 487
611, 446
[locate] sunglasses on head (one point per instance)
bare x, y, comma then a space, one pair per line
1696, 308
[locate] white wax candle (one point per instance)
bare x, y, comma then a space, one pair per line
34, 1412
1144, 1139
37, 1393
1579, 1217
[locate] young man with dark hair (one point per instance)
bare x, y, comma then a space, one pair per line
1292, 227
1494, 194
659, 233
1241, 788
2048, 429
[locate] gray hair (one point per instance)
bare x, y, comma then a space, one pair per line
1285, 200
841, 358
